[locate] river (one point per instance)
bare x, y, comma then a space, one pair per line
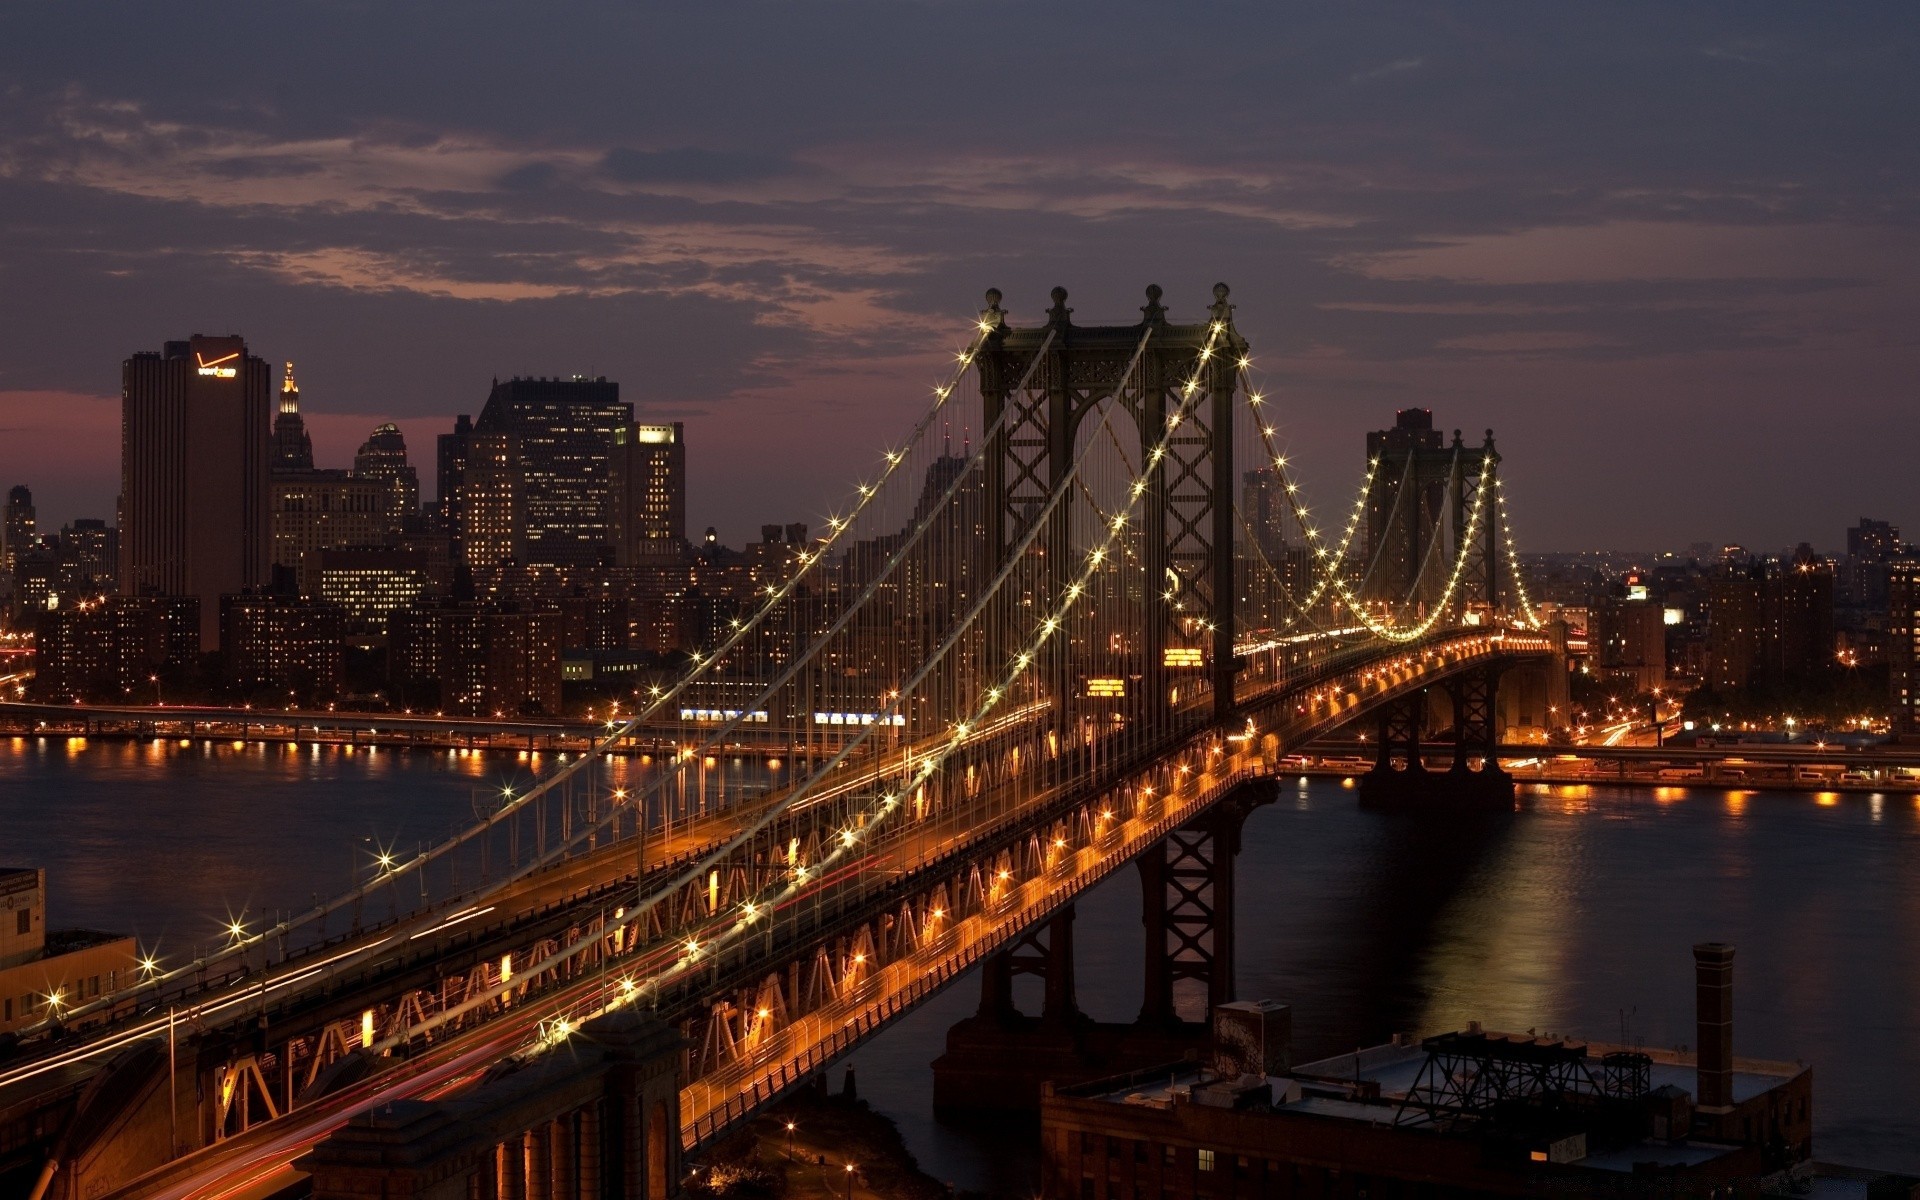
1576, 916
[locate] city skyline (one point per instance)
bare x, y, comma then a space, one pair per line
1678, 228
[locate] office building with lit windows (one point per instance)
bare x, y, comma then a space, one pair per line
568, 432
476, 659
281, 648
382, 459
195, 428
367, 584
119, 649
650, 490
492, 527
1903, 646
316, 511
16, 526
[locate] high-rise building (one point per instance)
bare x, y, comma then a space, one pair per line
650, 492
493, 524
1263, 501
383, 457
1407, 511
368, 584
16, 526
1629, 632
1770, 622
1903, 644
568, 432
94, 546
1871, 547
451, 464
315, 511
120, 649
194, 451
292, 447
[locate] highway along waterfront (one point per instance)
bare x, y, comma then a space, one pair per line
1573, 917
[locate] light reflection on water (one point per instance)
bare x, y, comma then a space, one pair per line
1574, 917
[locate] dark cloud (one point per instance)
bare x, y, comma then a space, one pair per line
530, 178
690, 164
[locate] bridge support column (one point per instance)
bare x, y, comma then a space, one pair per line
1399, 780
1047, 952
1186, 895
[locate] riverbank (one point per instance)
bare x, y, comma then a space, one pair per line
816, 1146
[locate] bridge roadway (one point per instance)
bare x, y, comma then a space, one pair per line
558, 895
259, 1161
398, 729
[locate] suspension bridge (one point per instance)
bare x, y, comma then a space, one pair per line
1082, 642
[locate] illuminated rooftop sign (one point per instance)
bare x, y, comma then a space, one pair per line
217, 368
653, 434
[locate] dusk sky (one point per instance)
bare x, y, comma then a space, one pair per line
1666, 251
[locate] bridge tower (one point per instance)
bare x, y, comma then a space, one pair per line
1188, 511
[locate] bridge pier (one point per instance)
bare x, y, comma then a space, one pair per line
1400, 779
998, 1059
1186, 896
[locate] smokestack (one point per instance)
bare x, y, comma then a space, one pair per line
1713, 1006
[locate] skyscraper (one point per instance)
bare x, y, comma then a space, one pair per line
493, 510
1871, 546
568, 431
1903, 645
194, 448
16, 528
383, 457
292, 448
1263, 501
650, 492
1406, 509
451, 469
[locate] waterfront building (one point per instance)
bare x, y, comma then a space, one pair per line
1629, 633
1464, 1113
193, 474
1769, 622
281, 648
568, 431
650, 492
382, 459
117, 649
476, 658
1903, 645
43, 971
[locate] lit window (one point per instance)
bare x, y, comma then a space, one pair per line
1206, 1160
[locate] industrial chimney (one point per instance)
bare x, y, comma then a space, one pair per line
1713, 1006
